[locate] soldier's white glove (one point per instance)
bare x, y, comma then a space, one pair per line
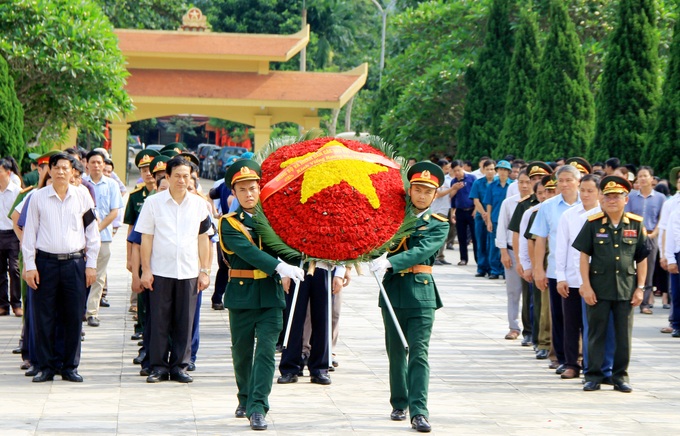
380, 264
293, 272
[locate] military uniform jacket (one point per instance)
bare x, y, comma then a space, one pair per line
135, 203
524, 205
408, 290
244, 250
613, 251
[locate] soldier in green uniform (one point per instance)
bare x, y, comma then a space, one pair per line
610, 242
134, 206
31, 178
254, 296
414, 297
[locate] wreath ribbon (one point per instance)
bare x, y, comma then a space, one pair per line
332, 151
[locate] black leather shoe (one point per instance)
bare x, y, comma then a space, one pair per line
320, 379
480, 275
560, 369
140, 343
181, 376
72, 376
144, 372
43, 376
444, 262
104, 303
218, 306
32, 372
398, 415
140, 357
17, 350
257, 422
591, 386
287, 378
240, 412
675, 333
156, 376
493, 277
622, 386
419, 422
92, 321
526, 341
542, 354
25, 365
137, 336
191, 366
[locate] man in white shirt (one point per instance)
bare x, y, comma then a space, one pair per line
670, 238
513, 282
174, 225
9, 245
668, 208
60, 246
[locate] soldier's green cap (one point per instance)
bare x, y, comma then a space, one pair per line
580, 164
45, 158
615, 185
145, 157
177, 146
426, 173
242, 170
674, 174
159, 163
190, 157
549, 181
170, 152
538, 168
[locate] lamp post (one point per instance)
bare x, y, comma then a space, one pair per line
383, 12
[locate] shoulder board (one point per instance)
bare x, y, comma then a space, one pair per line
633, 216
26, 189
526, 197
439, 217
596, 216
229, 214
137, 189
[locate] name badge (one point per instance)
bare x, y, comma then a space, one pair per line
630, 233
602, 235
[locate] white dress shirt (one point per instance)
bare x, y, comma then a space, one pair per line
668, 207
672, 245
503, 235
7, 198
175, 229
513, 189
567, 258
524, 257
56, 226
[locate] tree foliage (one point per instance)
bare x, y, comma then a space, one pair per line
11, 117
629, 90
521, 94
485, 103
66, 65
562, 122
665, 138
144, 14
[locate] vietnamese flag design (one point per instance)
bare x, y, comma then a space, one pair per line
332, 198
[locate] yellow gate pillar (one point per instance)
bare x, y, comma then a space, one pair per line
262, 131
119, 149
71, 139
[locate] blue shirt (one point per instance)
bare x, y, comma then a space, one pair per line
478, 191
545, 226
462, 198
108, 197
494, 196
649, 208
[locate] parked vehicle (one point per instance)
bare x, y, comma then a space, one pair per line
224, 155
203, 149
208, 168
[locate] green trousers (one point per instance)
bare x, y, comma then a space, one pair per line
409, 371
254, 366
598, 322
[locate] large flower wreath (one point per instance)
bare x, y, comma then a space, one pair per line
331, 199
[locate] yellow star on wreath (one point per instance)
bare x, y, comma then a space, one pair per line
326, 174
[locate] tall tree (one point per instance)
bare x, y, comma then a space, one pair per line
66, 65
522, 87
145, 14
629, 91
485, 103
562, 121
11, 117
665, 139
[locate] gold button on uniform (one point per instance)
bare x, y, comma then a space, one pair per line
240, 282
617, 257
616, 245
617, 271
425, 281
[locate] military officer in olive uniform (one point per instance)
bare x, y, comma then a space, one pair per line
31, 178
414, 297
610, 242
254, 296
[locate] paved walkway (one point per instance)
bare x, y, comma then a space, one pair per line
480, 383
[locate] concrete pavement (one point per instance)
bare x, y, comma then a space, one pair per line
481, 384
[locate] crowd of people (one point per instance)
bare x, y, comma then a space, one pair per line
579, 246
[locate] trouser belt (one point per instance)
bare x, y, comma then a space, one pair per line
66, 256
417, 269
247, 274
